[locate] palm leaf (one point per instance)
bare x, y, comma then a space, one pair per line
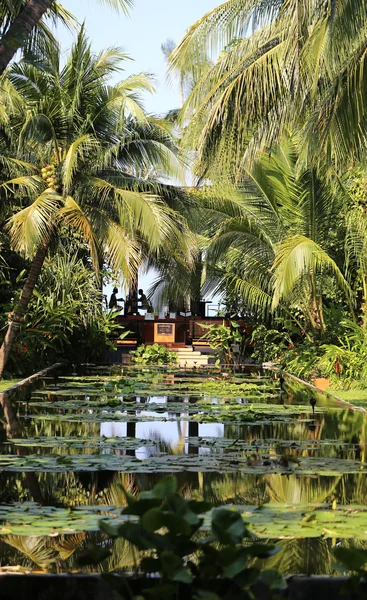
297, 257
30, 226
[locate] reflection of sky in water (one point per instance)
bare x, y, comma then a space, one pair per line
170, 433
155, 399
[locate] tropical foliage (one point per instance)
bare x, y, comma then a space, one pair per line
79, 153
154, 355
65, 318
223, 339
23, 27
277, 65
279, 229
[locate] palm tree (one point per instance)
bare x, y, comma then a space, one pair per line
286, 234
277, 64
22, 20
81, 157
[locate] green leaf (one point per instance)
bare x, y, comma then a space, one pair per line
141, 507
262, 550
113, 531
165, 487
142, 539
156, 518
172, 567
351, 558
130, 499
93, 555
205, 595
198, 507
273, 579
227, 526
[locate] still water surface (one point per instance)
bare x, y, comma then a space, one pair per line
86, 415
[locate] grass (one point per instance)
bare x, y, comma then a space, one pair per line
7, 383
357, 397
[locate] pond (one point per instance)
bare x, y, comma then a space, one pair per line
298, 476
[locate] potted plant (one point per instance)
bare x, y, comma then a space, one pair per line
319, 379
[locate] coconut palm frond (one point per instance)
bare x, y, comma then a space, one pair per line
32, 225
225, 24
123, 252
78, 219
31, 184
296, 257
124, 5
78, 150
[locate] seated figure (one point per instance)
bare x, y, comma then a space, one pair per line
144, 302
114, 300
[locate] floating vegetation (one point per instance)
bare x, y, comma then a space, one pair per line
254, 463
100, 443
274, 521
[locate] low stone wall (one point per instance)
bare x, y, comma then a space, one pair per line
310, 386
22, 388
32, 378
95, 587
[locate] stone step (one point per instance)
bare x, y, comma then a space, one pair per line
186, 349
192, 363
190, 358
189, 354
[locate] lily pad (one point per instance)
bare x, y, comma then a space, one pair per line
255, 464
99, 443
274, 521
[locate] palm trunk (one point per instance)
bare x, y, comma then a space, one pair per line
12, 424
13, 430
16, 318
19, 30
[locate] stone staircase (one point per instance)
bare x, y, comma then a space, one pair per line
190, 358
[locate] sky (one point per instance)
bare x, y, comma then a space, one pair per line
149, 24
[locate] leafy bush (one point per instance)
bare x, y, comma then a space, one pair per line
269, 344
344, 362
65, 318
302, 361
349, 357
221, 338
154, 355
191, 563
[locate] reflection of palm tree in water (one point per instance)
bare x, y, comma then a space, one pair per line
14, 430
295, 489
307, 556
55, 554
47, 553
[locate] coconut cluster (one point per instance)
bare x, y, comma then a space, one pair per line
49, 175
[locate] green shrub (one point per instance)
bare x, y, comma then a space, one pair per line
349, 357
269, 344
65, 319
221, 338
154, 355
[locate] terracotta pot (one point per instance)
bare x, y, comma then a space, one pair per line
322, 383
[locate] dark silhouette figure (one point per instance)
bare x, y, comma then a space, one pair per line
313, 404
143, 301
114, 300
